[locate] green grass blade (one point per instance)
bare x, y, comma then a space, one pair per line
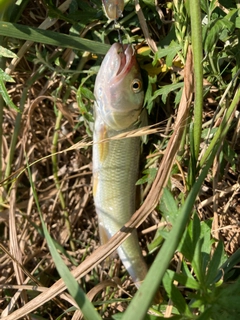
56, 244
223, 127
19, 31
4, 7
175, 294
15, 134
145, 295
74, 289
72, 285
196, 27
214, 264
4, 93
227, 266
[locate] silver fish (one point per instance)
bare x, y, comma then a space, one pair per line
119, 99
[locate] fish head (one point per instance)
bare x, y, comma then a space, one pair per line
119, 88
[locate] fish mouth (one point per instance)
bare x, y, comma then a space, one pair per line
126, 60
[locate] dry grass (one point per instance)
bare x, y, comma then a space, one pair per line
25, 261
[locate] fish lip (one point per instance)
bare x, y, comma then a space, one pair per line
126, 60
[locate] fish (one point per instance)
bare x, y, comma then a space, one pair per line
119, 100
113, 8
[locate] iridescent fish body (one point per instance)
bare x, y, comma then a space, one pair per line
119, 99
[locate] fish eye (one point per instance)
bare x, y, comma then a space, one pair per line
136, 85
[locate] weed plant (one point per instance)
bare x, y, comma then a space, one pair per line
189, 53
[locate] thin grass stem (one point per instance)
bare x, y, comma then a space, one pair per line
197, 48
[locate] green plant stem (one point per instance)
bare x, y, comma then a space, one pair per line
145, 294
15, 135
2, 66
184, 137
216, 72
74, 289
196, 36
17, 126
1, 133
84, 59
9, 11
55, 174
223, 128
192, 161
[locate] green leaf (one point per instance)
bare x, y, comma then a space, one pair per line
87, 93
149, 3
168, 206
72, 285
214, 264
186, 271
228, 265
149, 287
226, 305
237, 22
212, 6
206, 315
71, 309
185, 280
155, 243
197, 243
205, 133
191, 245
169, 52
204, 5
178, 97
174, 294
206, 243
6, 77
149, 176
19, 31
4, 93
117, 316
148, 102
188, 242
229, 154
4, 52
213, 30
5, 7
165, 90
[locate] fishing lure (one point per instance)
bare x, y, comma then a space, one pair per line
113, 8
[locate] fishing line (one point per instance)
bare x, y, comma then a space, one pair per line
119, 34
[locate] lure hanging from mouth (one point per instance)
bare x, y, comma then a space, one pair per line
119, 100
113, 8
